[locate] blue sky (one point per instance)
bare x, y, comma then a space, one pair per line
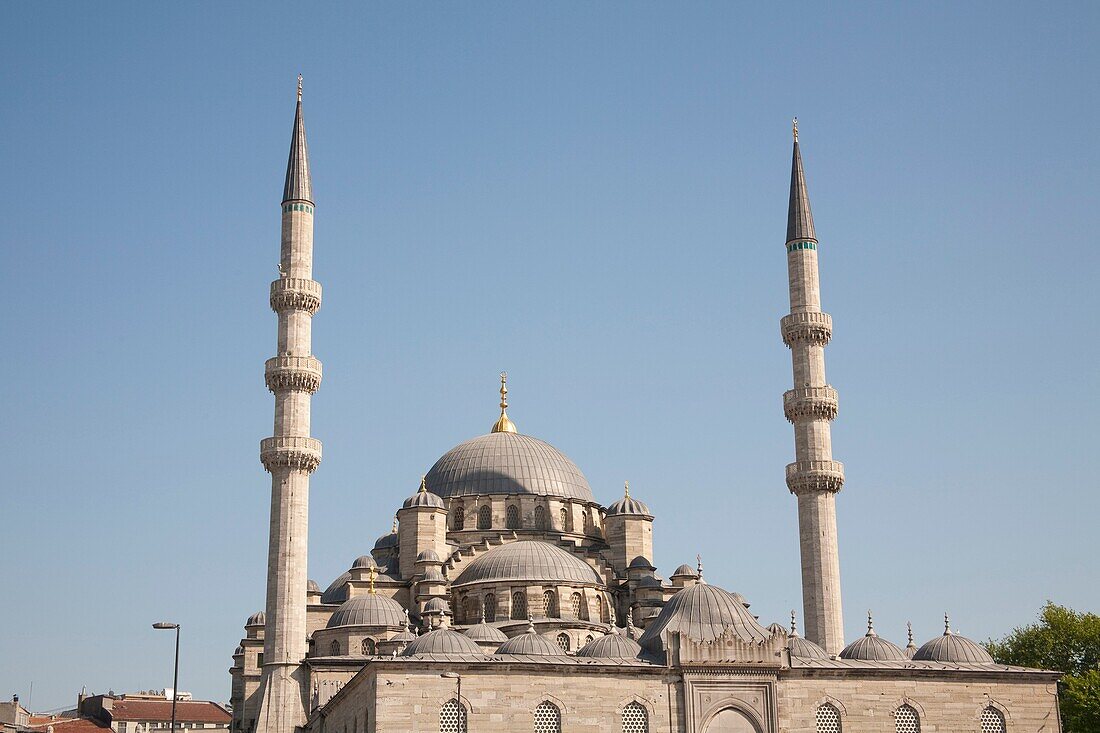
591, 196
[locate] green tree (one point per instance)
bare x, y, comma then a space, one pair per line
1066, 641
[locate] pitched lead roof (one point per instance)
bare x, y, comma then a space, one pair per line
298, 186
800, 222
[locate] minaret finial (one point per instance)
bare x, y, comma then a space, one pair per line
630, 622
699, 566
870, 624
503, 424
298, 185
909, 632
946, 624
794, 624
794, 123
423, 484
530, 624
300, 96
393, 529
372, 574
626, 489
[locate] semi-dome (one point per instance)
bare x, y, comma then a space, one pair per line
387, 541
528, 561
484, 633
428, 556
611, 646
950, 647
423, 498
364, 562
531, 643
873, 648
628, 505
257, 619
442, 642
368, 610
335, 592
507, 463
702, 612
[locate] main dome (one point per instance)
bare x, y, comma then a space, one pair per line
507, 463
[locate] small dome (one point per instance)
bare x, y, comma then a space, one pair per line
335, 593
774, 628
611, 646
312, 587
528, 561
531, 644
257, 619
423, 498
364, 562
404, 635
432, 575
804, 648
442, 642
436, 605
238, 651
650, 581
387, 541
368, 610
641, 563
507, 463
872, 648
684, 571
485, 633
628, 505
428, 556
952, 648
702, 612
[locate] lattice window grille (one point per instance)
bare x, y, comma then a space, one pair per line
460, 518
575, 602
550, 603
490, 607
540, 518
906, 720
635, 719
547, 718
519, 605
563, 642
368, 647
993, 721
484, 517
828, 719
512, 517
452, 717
334, 648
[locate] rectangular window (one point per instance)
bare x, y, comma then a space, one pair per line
260, 659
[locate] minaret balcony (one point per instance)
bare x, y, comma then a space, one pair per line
302, 373
814, 403
814, 327
295, 293
299, 453
815, 476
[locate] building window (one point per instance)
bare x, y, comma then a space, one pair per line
563, 642
575, 604
519, 605
368, 647
588, 639
828, 719
540, 518
490, 607
460, 518
484, 517
260, 659
334, 648
452, 717
605, 616
635, 719
993, 720
511, 520
584, 521
547, 718
550, 604
122, 727
906, 720
564, 519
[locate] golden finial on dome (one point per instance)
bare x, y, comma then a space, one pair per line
503, 424
423, 484
626, 489
372, 574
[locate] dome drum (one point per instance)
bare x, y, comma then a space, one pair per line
477, 517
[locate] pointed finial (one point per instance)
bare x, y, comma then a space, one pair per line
483, 613
423, 484
870, 624
393, 529
503, 424
946, 624
299, 87
909, 631
626, 489
794, 625
372, 574
699, 566
630, 622
794, 128
530, 624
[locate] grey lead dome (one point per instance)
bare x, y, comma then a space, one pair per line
954, 649
442, 642
703, 613
368, 610
611, 646
507, 463
528, 561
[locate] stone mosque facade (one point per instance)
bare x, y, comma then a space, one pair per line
506, 597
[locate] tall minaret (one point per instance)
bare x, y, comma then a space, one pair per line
291, 455
814, 477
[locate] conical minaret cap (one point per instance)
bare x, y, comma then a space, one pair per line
298, 186
800, 222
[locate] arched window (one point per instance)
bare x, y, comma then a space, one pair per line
993, 720
564, 516
485, 517
490, 607
519, 605
540, 518
635, 719
468, 611
828, 719
563, 642
547, 718
368, 647
452, 717
550, 604
584, 521
605, 616
334, 648
906, 720
511, 517
460, 518
575, 604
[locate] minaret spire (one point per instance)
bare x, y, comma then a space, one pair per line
290, 455
504, 423
814, 477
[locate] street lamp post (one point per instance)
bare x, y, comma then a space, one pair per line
463, 726
176, 667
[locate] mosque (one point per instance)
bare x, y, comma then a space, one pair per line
505, 597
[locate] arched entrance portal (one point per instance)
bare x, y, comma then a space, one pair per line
730, 721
